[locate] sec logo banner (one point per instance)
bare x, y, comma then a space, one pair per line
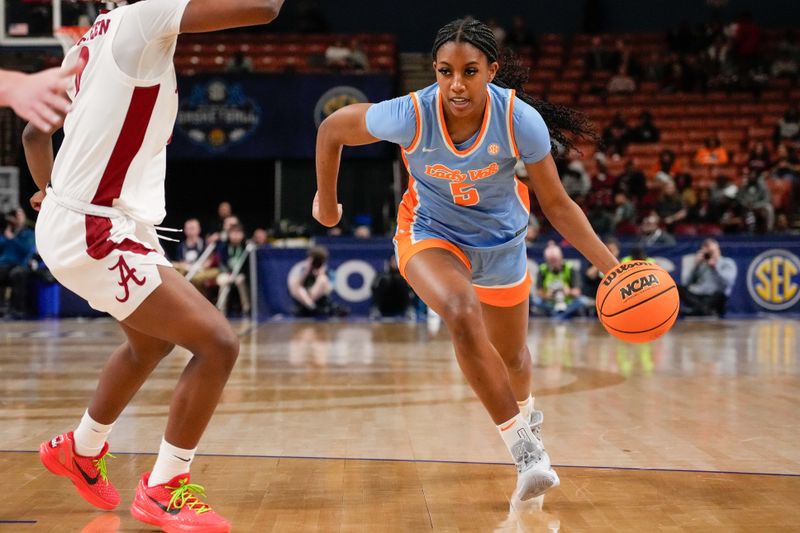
773, 280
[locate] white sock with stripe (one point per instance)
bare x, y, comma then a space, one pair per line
526, 407
90, 436
171, 461
515, 430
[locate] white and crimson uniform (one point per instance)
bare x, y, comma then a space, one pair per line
96, 229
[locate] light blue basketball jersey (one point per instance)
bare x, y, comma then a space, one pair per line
466, 194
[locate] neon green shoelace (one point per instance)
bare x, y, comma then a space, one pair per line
184, 494
102, 469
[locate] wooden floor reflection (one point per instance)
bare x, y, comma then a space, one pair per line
370, 427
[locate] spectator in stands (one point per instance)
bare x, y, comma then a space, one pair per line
261, 237
708, 283
189, 252
683, 182
653, 68
233, 268
239, 63
637, 253
780, 192
652, 233
645, 131
704, 211
670, 207
667, 167
785, 66
759, 158
597, 57
558, 285
754, 197
337, 55
533, 230
712, 153
621, 82
788, 127
621, 56
574, 177
17, 247
746, 40
519, 36
391, 295
615, 135
632, 182
310, 287
498, 31
624, 215
601, 200
358, 56
592, 277
362, 232
224, 210
732, 214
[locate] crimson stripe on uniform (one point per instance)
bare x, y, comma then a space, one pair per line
98, 231
129, 142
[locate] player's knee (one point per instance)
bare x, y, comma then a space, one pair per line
461, 313
517, 360
225, 348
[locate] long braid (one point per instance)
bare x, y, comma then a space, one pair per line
566, 125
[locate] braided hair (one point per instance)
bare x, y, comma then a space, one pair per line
565, 125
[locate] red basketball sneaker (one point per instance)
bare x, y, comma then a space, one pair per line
88, 474
174, 507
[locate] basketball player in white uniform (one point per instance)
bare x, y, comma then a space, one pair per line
37, 98
100, 201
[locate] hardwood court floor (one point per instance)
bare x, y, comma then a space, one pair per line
370, 427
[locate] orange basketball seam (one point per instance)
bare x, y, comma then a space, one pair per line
637, 304
626, 276
677, 307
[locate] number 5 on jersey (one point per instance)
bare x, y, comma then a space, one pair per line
464, 193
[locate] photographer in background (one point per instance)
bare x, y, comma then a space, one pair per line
310, 287
559, 289
17, 246
708, 283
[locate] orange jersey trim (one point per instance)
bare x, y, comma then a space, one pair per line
418, 117
523, 195
512, 139
446, 135
505, 296
406, 249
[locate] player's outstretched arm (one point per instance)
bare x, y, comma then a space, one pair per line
211, 15
38, 98
565, 215
345, 127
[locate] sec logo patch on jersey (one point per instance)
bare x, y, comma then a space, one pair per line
493, 149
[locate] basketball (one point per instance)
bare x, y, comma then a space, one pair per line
637, 301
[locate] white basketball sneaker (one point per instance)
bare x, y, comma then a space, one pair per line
535, 476
535, 423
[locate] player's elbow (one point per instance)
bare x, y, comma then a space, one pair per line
31, 135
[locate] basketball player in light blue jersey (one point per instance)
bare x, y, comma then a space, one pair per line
462, 221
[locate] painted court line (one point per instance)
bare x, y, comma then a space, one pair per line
445, 461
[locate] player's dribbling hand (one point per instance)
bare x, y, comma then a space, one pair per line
36, 200
325, 215
39, 98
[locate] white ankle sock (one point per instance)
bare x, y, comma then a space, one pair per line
526, 407
170, 462
90, 436
515, 430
